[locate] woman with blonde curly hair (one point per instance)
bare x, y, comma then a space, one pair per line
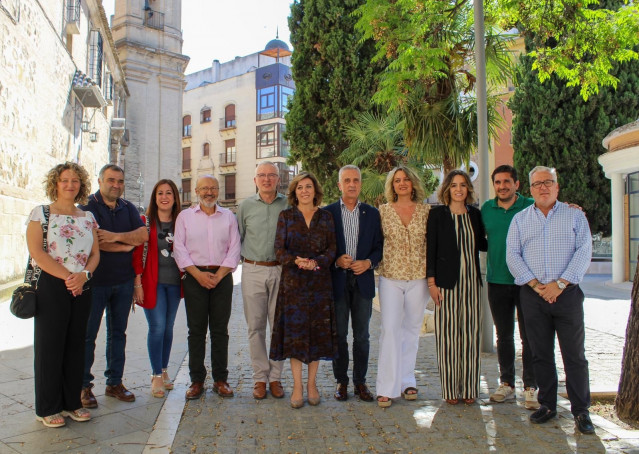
63, 293
402, 285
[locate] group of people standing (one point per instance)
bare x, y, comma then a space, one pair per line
308, 271
87, 269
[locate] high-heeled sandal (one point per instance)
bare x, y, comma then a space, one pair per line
157, 391
168, 383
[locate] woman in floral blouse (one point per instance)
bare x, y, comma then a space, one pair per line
63, 293
402, 285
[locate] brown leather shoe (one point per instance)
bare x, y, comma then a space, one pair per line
276, 389
87, 397
195, 390
363, 392
259, 390
222, 389
120, 393
341, 393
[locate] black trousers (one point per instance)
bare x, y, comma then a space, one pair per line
504, 300
566, 318
60, 328
208, 309
352, 304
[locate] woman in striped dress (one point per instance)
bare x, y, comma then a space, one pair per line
455, 237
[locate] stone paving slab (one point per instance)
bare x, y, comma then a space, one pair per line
241, 424
115, 427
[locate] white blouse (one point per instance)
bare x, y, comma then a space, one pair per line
69, 238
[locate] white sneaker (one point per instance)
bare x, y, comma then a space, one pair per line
505, 391
530, 396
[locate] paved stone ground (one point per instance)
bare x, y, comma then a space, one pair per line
116, 427
241, 424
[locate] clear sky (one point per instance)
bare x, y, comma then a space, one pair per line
222, 30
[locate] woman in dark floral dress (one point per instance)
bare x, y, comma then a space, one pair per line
304, 328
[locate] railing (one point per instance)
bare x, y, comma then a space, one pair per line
227, 124
601, 247
227, 159
73, 11
154, 19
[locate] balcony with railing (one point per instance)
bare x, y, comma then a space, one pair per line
227, 159
227, 124
72, 17
153, 19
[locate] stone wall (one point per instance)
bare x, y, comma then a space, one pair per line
38, 118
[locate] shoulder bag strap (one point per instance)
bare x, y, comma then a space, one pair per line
146, 243
34, 271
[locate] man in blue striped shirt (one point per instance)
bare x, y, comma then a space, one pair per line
358, 234
548, 251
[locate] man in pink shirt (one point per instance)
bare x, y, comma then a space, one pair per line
207, 248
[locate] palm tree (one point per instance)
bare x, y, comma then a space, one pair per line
377, 146
430, 78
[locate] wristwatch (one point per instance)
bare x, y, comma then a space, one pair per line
561, 285
88, 274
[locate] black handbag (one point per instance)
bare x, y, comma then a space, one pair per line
23, 301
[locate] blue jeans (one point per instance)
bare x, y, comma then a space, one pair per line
352, 304
116, 299
161, 319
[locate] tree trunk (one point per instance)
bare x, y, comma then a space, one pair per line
627, 402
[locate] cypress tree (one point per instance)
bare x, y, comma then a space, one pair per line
554, 126
334, 80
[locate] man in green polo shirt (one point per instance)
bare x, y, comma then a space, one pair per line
257, 220
503, 294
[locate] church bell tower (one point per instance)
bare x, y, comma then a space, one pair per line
148, 37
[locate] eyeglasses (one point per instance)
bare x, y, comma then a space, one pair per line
208, 188
547, 183
267, 175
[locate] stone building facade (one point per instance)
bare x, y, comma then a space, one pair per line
148, 38
62, 98
233, 119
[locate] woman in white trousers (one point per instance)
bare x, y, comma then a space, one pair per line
403, 291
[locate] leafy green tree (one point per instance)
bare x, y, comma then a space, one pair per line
334, 80
579, 41
554, 126
430, 78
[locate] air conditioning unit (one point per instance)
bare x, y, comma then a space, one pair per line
118, 124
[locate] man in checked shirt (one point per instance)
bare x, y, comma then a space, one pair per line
548, 251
